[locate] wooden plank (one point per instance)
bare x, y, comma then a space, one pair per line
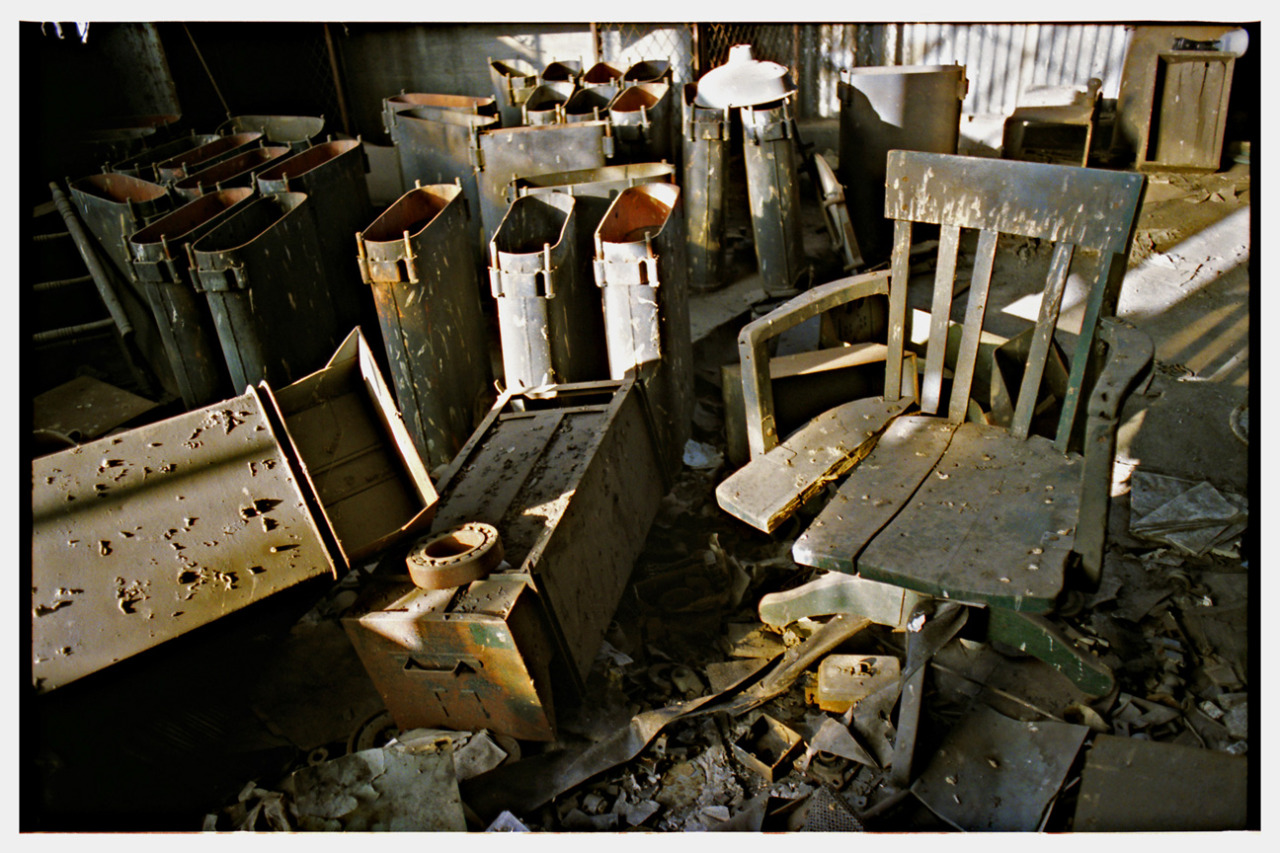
898, 330
993, 524
975, 312
873, 493
1050, 302
1087, 207
770, 488
940, 319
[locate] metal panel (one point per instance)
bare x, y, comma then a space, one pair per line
161, 263
644, 118
416, 256
294, 131
141, 537
704, 138
143, 165
513, 81
237, 171
773, 193
545, 104
571, 480
195, 159
113, 206
482, 106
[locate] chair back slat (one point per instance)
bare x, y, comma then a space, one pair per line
975, 313
900, 273
944, 281
1090, 208
1050, 303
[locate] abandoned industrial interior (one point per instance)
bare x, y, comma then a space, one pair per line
595, 427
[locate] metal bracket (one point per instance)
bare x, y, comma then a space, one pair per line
636, 272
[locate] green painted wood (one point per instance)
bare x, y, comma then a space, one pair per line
1050, 303
898, 317
1037, 636
770, 488
993, 524
944, 281
873, 493
975, 312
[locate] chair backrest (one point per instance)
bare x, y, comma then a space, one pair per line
1069, 206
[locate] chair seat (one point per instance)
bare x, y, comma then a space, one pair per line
965, 512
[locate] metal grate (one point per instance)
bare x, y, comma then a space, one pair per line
319, 74
623, 44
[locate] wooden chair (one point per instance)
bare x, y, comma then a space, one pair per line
935, 504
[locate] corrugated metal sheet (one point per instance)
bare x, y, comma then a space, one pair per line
1005, 63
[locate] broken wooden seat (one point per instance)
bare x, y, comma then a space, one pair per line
987, 515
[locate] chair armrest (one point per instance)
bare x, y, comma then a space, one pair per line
757, 393
1128, 362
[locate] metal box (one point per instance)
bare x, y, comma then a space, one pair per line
471, 657
569, 475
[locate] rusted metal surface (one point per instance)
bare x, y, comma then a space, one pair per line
571, 480
195, 159
648, 71
113, 206
143, 165
417, 259
455, 557
161, 264
332, 176
237, 171
296, 132
639, 266
562, 71
773, 192
914, 108
644, 118
468, 658
141, 537
510, 153
705, 134
603, 74
513, 81
545, 104
549, 316
258, 270
767, 747
354, 453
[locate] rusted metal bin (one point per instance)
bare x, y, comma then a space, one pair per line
297, 132
161, 264
773, 192
510, 153
481, 106
603, 74
113, 206
549, 316
237, 171
416, 257
195, 159
648, 71
640, 268
570, 479
468, 658
261, 272
143, 164
590, 103
545, 104
332, 176
705, 137
562, 71
643, 117
912, 108
594, 189
513, 81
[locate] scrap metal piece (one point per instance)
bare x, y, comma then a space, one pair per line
994, 773
704, 138
259, 269
161, 263
843, 680
237, 171
548, 319
773, 192
836, 214
455, 557
639, 266
86, 408
481, 106
570, 478
416, 258
835, 592
914, 108
142, 165
463, 658
296, 132
766, 747
144, 536
513, 81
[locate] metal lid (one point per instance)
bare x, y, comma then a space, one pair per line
743, 82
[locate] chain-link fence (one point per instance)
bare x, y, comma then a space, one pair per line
778, 43
624, 44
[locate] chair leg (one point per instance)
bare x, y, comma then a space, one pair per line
1039, 637
834, 592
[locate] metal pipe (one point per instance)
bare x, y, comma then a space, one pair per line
68, 333
91, 260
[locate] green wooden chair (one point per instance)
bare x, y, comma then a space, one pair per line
934, 504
